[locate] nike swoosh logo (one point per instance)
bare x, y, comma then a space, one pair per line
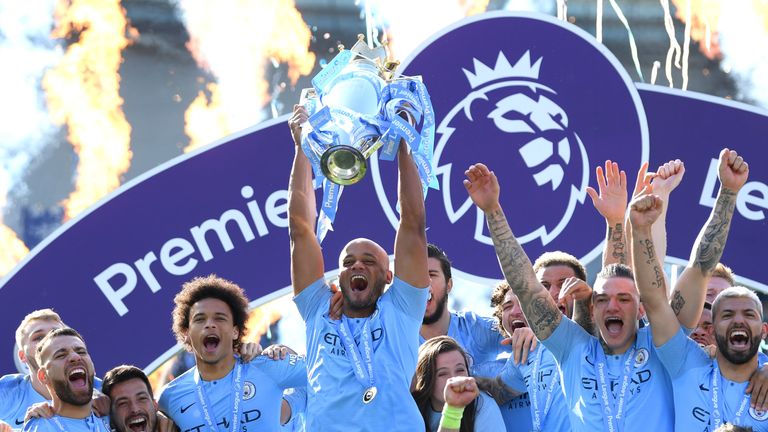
19, 423
183, 409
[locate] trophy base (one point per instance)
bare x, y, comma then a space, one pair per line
343, 165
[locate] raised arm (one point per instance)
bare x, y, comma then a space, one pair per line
649, 273
690, 290
411, 240
306, 255
667, 178
611, 203
642, 187
538, 305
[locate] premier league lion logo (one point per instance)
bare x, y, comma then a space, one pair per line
526, 137
541, 103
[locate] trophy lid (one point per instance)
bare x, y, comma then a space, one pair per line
378, 53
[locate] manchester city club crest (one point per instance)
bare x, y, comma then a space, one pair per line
249, 390
641, 357
758, 415
542, 110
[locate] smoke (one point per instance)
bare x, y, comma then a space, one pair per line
405, 24
743, 34
26, 51
25, 129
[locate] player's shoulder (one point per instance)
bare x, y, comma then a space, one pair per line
13, 380
38, 425
264, 364
181, 385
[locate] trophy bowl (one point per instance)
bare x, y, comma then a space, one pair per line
343, 165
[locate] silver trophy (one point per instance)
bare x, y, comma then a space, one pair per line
352, 97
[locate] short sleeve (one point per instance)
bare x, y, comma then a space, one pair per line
410, 300
512, 377
681, 353
488, 416
565, 338
287, 373
313, 298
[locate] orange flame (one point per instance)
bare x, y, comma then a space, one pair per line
13, 249
704, 23
275, 32
83, 92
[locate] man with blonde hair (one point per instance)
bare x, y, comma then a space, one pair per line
19, 391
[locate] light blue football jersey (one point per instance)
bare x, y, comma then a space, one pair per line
550, 400
17, 394
478, 335
297, 399
517, 411
649, 402
263, 381
487, 417
92, 423
335, 396
692, 372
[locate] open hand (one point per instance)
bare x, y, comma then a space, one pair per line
336, 303
249, 351
522, 342
298, 118
482, 186
611, 203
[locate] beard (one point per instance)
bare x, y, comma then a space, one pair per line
367, 302
441, 305
62, 390
737, 357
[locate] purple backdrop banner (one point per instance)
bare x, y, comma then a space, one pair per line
542, 109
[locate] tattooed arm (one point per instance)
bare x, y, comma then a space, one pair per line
666, 179
538, 305
689, 293
495, 387
649, 273
611, 203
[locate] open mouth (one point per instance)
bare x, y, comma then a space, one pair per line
358, 283
137, 423
699, 340
614, 325
516, 324
739, 339
211, 342
77, 378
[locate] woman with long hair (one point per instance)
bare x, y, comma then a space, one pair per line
441, 358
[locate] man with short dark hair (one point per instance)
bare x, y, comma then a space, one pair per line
133, 407
478, 335
221, 391
67, 371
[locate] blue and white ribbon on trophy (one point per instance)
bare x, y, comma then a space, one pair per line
354, 105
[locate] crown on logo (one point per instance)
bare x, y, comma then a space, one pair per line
522, 69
